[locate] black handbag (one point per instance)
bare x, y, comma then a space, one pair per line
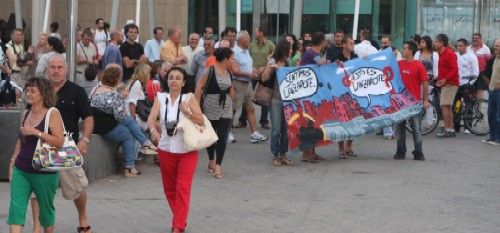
143, 109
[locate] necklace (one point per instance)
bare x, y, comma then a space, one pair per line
34, 120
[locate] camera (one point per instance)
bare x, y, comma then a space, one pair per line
170, 126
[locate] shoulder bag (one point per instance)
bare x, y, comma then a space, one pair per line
263, 93
197, 137
143, 107
50, 158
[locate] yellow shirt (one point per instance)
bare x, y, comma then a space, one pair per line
170, 51
495, 75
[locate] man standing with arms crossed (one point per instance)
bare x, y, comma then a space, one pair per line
415, 78
73, 103
448, 81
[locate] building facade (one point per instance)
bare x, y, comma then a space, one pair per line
398, 18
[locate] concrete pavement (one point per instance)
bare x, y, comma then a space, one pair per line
456, 190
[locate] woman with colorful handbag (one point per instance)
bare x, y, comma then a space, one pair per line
24, 178
279, 127
177, 164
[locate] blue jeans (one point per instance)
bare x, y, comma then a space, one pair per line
416, 124
279, 129
134, 128
494, 115
123, 135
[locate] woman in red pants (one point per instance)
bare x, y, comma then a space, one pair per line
176, 163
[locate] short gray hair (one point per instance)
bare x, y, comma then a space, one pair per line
241, 35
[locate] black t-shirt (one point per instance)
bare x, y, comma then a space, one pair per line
333, 53
342, 58
73, 103
133, 52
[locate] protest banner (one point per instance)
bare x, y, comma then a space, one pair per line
331, 103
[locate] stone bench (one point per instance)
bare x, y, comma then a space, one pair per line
100, 160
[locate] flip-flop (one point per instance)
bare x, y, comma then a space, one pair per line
319, 158
342, 156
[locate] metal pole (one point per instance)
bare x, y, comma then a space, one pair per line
71, 52
137, 15
46, 16
152, 16
222, 16
297, 17
238, 15
356, 19
17, 11
114, 14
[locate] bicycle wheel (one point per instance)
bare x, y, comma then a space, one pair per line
475, 118
430, 120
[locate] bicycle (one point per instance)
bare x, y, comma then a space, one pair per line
431, 115
473, 114
469, 110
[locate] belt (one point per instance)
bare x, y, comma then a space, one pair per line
16, 71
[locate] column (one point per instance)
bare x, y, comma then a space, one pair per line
151, 16
17, 11
71, 50
114, 14
222, 16
297, 17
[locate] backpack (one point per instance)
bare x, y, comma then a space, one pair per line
7, 92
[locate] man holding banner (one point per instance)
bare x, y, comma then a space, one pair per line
415, 79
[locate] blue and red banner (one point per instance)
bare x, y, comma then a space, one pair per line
331, 103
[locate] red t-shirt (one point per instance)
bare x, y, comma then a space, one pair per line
413, 73
152, 89
448, 67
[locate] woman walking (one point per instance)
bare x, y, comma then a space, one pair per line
24, 178
215, 92
177, 164
279, 128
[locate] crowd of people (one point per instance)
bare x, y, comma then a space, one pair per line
136, 95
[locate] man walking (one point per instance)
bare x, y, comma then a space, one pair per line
415, 78
244, 72
73, 104
448, 81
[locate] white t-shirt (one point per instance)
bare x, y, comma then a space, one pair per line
467, 66
174, 144
136, 93
101, 40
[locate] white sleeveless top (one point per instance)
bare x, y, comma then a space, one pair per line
174, 144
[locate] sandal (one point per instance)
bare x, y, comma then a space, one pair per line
351, 153
319, 158
211, 167
83, 229
285, 161
342, 155
218, 172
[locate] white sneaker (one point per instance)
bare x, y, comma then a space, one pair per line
495, 143
466, 131
230, 138
256, 137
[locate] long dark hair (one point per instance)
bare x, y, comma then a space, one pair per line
164, 81
295, 46
56, 44
428, 42
282, 50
